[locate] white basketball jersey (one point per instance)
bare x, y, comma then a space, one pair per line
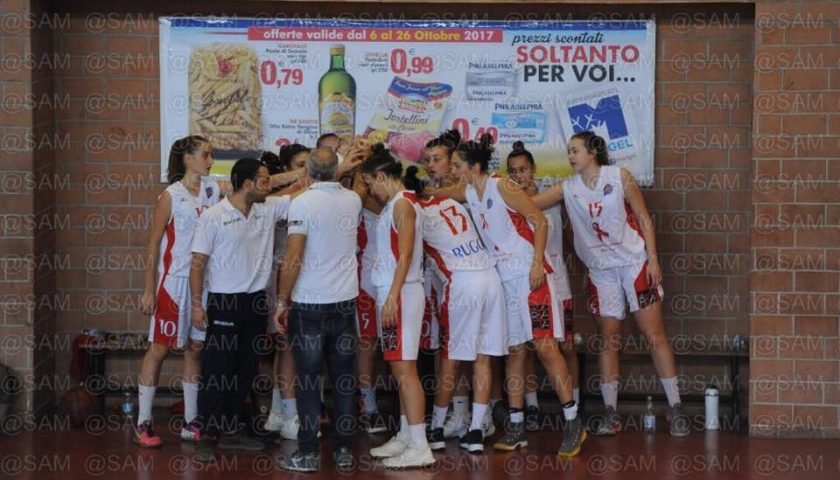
450, 238
607, 233
366, 245
387, 244
175, 246
506, 233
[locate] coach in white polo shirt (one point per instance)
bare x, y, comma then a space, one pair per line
319, 273
233, 242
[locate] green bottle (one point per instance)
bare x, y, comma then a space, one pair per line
337, 97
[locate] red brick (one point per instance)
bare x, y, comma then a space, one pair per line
805, 80
817, 282
771, 325
805, 124
800, 392
816, 326
809, 34
811, 417
771, 281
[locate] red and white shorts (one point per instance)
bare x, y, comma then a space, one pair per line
560, 279
612, 290
531, 314
366, 312
433, 287
472, 316
402, 341
171, 323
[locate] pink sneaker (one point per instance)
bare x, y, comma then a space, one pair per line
145, 437
191, 433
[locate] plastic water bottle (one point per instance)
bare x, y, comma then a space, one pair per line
127, 407
712, 405
649, 420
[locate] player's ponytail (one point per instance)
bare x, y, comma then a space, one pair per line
176, 169
479, 152
381, 160
519, 150
449, 139
595, 145
411, 181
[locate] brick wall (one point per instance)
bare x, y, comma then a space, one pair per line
713, 178
28, 212
795, 358
700, 201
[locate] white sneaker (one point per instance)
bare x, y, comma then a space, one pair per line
275, 422
487, 425
411, 457
287, 427
454, 428
391, 448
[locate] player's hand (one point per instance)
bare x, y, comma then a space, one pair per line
198, 317
537, 276
281, 315
147, 302
654, 272
389, 312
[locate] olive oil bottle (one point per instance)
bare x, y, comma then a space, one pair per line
337, 97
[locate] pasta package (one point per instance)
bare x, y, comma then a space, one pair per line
408, 116
225, 96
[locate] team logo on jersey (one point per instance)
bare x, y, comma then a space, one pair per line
608, 189
209, 191
489, 203
599, 231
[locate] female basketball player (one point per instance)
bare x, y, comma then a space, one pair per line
614, 237
471, 313
504, 215
522, 169
167, 291
398, 277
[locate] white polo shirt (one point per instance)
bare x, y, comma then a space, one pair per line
328, 214
240, 248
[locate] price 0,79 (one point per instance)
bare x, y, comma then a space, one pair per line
271, 75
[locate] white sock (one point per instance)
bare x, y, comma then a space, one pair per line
404, 435
459, 407
609, 390
479, 411
439, 416
369, 399
531, 399
517, 416
418, 436
576, 394
190, 401
672, 390
276, 402
570, 411
146, 398
289, 407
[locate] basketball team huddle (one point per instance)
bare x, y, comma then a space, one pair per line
341, 256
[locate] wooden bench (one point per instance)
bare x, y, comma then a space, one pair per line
683, 348
99, 351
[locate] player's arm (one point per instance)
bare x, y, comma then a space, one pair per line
198, 315
518, 200
457, 192
404, 217
633, 196
549, 197
160, 218
290, 268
